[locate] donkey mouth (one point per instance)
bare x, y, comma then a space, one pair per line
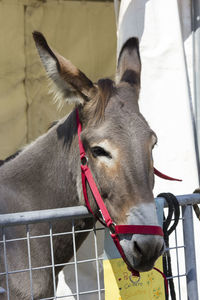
143, 266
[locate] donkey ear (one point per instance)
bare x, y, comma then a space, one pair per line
129, 64
71, 84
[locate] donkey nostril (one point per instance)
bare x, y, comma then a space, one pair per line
137, 248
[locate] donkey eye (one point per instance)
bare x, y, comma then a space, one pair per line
98, 151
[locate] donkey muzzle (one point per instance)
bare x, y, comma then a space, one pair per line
142, 250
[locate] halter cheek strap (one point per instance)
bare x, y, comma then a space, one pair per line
107, 221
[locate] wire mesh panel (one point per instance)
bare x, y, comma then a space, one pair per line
182, 252
176, 251
36, 267
29, 266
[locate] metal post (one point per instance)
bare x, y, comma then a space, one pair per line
190, 258
195, 18
116, 7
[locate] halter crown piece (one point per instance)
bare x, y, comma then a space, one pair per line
106, 220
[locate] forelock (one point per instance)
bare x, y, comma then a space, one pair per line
93, 111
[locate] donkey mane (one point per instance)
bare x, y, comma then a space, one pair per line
12, 156
96, 106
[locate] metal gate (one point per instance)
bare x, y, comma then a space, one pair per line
182, 250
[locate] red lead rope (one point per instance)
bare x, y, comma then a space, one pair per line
107, 220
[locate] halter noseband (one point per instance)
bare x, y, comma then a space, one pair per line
106, 220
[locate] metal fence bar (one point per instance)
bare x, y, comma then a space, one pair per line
48, 235
77, 212
177, 261
97, 262
29, 260
50, 266
46, 215
195, 22
190, 258
176, 276
75, 260
67, 296
189, 199
5, 263
52, 260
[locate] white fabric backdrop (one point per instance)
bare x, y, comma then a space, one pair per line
164, 30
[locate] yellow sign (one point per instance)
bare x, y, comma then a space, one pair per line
121, 285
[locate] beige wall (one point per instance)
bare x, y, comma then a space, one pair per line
82, 31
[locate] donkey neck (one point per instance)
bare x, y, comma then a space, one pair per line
44, 174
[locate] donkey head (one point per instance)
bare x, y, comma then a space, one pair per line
118, 142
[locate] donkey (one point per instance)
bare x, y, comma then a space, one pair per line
46, 174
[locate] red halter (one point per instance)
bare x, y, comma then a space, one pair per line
107, 221
163, 176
